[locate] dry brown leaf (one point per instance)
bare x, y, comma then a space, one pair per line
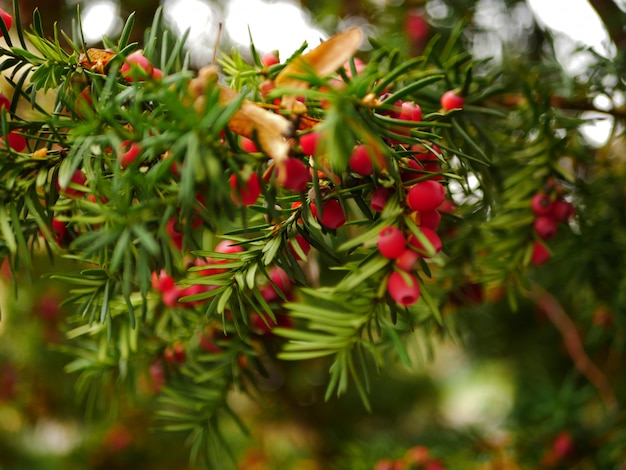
269, 129
322, 61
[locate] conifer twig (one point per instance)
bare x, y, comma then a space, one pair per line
561, 320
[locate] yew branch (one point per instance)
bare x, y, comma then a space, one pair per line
561, 320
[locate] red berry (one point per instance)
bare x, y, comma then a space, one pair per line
407, 259
308, 142
128, 153
416, 26
403, 288
546, 227
162, 281
16, 141
563, 445
228, 247
426, 195
265, 87
136, 67
60, 230
157, 74
333, 216
430, 219
207, 342
451, 100
361, 160
79, 179
5, 102
561, 210
410, 111
434, 464
422, 154
157, 375
304, 246
379, 198
294, 175
541, 204
433, 240
417, 455
540, 254
391, 242
282, 281
175, 233
245, 194
248, 145
270, 58
8, 20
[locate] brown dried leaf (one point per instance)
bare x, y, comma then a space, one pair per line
321, 61
269, 129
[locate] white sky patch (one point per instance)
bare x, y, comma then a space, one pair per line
100, 18
200, 19
279, 25
575, 19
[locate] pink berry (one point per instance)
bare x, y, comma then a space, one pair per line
430, 219
228, 247
246, 193
304, 245
416, 26
16, 141
270, 58
248, 145
361, 160
332, 215
294, 175
410, 111
157, 74
563, 445
379, 198
308, 142
128, 153
426, 195
561, 210
546, 227
174, 231
432, 238
391, 242
541, 204
162, 281
136, 67
281, 280
452, 100
540, 254
403, 288
79, 179
406, 261
7, 19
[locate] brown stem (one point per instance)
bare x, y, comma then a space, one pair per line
613, 18
559, 318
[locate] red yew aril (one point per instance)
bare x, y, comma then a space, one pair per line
361, 160
426, 195
270, 58
391, 242
452, 100
540, 254
410, 111
332, 215
379, 198
563, 445
308, 142
546, 227
59, 229
128, 153
136, 67
541, 204
247, 192
561, 210
430, 219
281, 280
174, 231
422, 153
433, 240
7, 19
248, 145
294, 175
16, 141
304, 246
79, 179
162, 281
403, 288
406, 261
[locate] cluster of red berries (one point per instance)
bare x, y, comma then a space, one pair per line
415, 458
423, 199
550, 209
